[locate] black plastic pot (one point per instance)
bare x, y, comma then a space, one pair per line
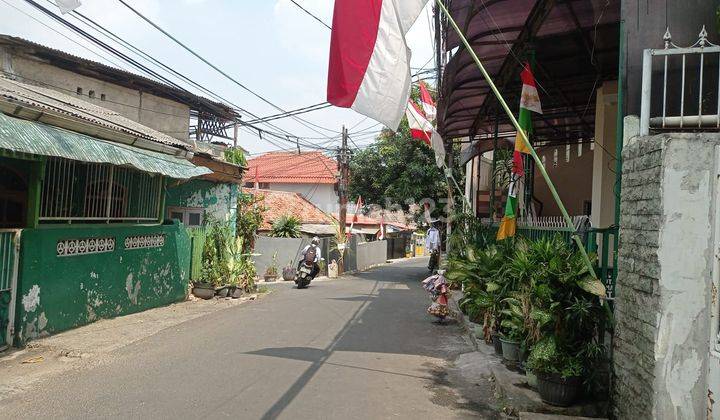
497, 344
559, 391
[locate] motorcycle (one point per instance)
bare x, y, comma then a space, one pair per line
304, 274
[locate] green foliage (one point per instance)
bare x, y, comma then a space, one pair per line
236, 156
539, 293
249, 218
224, 261
272, 269
286, 227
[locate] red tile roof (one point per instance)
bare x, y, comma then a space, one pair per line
371, 221
281, 203
292, 168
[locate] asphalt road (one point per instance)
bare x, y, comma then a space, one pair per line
360, 347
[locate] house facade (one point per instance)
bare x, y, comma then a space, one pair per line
311, 174
89, 193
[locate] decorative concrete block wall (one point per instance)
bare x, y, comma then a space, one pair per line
663, 307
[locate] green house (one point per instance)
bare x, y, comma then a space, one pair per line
84, 226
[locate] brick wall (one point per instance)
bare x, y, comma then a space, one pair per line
638, 279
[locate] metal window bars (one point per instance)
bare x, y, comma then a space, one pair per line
700, 49
93, 192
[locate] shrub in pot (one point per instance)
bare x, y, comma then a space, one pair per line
203, 290
559, 375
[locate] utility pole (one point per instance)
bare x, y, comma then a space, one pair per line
343, 164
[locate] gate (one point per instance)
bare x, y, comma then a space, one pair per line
197, 243
9, 256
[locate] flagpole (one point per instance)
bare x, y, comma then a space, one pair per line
522, 133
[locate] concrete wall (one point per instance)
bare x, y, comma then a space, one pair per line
218, 199
164, 115
369, 254
322, 195
665, 292
288, 249
57, 293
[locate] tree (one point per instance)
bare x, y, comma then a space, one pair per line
397, 169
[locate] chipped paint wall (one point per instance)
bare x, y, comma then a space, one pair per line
57, 293
664, 306
218, 199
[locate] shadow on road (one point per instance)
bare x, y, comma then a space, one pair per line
390, 319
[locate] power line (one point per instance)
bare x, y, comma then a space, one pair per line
152, 73
313, 16
214, 67
298, 111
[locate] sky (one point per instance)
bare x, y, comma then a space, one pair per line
270, 46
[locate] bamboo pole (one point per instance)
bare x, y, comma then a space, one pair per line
522, 133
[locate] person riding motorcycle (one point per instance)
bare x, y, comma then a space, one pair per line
315, 243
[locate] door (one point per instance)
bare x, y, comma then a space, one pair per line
9, 257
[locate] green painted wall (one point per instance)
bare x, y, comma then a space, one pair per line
57, 293
218, 199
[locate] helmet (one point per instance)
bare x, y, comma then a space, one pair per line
315, 240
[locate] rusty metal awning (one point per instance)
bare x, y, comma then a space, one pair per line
575, 45
22, 137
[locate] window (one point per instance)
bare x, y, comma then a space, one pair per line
102, 96
189, 216
91, 94
79, 191
78, 90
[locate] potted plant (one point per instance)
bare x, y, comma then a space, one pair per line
203, 290
288, 272
559, 375
513, 323
271, 272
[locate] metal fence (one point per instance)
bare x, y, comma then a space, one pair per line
9, 257
80, 191
701, 86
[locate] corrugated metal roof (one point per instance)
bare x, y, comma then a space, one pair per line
60, 103
23, 136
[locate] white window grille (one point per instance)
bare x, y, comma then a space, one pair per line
567, 153
189, 216
93, 192
580, 146
555, 157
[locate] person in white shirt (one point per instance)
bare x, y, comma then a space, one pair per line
432, 244
315, 243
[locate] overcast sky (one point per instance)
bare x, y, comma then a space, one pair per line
271, 46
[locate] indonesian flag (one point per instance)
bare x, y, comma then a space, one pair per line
428, 105
529, 101
422, 129
369, 69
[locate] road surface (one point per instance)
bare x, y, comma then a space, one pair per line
360, 347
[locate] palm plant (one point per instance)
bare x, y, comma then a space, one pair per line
286, 227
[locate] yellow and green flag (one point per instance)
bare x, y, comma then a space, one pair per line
529, 102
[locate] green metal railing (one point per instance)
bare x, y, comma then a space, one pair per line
606, 253
197, 243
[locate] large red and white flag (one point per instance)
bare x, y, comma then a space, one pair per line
428, 105
369, 68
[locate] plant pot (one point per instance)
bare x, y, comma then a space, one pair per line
203, 292
288, 274
510, 350
496, 343
222, 291
270, 278
531, 378
479, 332
559, 391
236, 293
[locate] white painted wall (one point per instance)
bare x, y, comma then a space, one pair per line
164, 115
603, 165
321, 195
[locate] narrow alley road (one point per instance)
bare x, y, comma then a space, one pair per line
360, 347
